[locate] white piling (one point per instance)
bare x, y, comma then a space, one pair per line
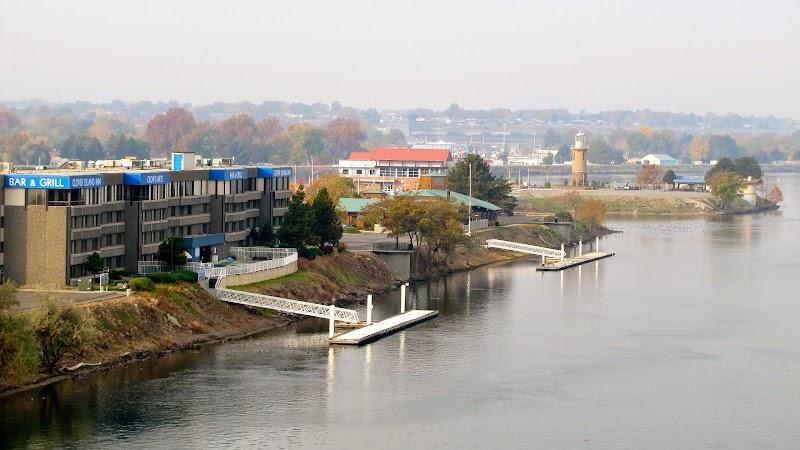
369, 309
580, 248
562, 251
597, 243
330, 324
403, 298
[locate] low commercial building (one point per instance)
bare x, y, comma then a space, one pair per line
59, 217
659, 159
391, 169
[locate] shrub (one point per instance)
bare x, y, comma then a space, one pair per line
309, 252
142, 284
160, 277
341, 246
19, 352
547, 185
184, 275
350, 230
62, 330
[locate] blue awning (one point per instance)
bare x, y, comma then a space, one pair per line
204, 240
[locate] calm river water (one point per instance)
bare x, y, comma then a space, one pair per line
688, 337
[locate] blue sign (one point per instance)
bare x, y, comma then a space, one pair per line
177, 161
32, 181
227, 174
274, 172
145, 178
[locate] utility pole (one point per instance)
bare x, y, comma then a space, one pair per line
469, 216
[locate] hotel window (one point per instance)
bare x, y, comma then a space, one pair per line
345, 171
359, 172
372, 171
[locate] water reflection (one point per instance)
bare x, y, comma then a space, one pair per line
692, 327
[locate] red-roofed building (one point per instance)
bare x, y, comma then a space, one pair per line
391, 169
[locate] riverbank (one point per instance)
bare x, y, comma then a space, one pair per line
182, 316
473, 253
641, 202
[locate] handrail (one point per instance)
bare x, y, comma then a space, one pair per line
524, 248
286, 305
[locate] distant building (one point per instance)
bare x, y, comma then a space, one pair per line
391, 169
352, 207
579, 149
658, 159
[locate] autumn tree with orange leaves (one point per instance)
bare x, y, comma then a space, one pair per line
165, 131
343, 136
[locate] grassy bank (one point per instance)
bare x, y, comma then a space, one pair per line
472, 253
623, 202
345, 276
183, 315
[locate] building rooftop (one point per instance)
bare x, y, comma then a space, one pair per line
453, 195
354, 205
658, 156
402, 154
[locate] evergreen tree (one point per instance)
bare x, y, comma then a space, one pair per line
296, 230
265, 235
326, 224
172, 252
94, 263
485, 186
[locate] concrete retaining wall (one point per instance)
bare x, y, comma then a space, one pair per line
255, 277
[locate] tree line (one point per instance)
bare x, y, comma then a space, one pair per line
105, 136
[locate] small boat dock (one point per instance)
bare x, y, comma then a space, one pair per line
566, 263
377, 330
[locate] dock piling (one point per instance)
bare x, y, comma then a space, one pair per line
331, 322
369, 309
403, 298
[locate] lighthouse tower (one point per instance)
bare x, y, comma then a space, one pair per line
579, 149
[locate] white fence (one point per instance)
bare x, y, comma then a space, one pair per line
286, 305
479, 224
248, 260
525, 248
240, 268
260, 253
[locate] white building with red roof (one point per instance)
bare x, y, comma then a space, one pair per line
392, 169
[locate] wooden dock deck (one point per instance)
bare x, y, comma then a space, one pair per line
572, 262
377, 330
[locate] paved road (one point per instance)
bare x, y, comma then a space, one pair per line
33, 299
363, 241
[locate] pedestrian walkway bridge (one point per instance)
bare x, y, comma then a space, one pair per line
525, 248
286, 305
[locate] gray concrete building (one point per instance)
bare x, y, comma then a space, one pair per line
52, 220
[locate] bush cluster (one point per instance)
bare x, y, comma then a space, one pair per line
142, 284
173, 277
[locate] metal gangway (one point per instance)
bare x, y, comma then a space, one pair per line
286, 305
525, 248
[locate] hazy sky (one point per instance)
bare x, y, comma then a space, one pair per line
691, 56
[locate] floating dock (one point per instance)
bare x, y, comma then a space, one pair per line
377, 330
572, 262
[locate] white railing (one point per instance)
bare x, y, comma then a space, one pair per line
479, 224
248, 260
260, 253
286, 305
524, 248
248, 267
146, 267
